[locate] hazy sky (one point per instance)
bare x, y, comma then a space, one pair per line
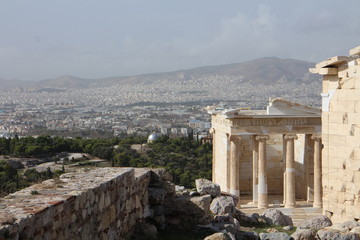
42, 39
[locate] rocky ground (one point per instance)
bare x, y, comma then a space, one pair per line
207, 213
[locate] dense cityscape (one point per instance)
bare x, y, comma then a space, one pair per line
163, 106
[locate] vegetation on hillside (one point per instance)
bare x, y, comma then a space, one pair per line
185, 158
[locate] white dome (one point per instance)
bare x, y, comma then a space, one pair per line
153, 137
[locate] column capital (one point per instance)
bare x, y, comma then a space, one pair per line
290, 136
316, 137
234, 138
262, 137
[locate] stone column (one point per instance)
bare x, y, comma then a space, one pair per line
212, 132
317, 171
262, 173
235, 165
255, 170
290, 171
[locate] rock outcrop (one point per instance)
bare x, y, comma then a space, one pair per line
316, 223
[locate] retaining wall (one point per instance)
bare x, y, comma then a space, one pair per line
105, 203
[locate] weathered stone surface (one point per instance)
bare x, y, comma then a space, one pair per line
222, 205
304, 234
169, 188
147, 230
183, 211
276, 217
226, 223
329, 234
317, 223
245, 219
204, 187
274, 236
339, 227
218, 236
105, 203
356, 230
247, 236
202, 202
156, 195
351, 224
164, 175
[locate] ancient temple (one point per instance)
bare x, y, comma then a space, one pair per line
272, 151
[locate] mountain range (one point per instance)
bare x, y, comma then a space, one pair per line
269, 70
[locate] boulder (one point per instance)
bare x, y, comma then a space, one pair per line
222, 205
247, 235
351, 224
218, 236
245, 219
328, 234
161, 174
276, 217
226, 223
179, 188
183, 211
339, 227
202, 202
147, 230
156, 195
316, 223
169, 188
274, 236
356, 230
304, 234
204, 187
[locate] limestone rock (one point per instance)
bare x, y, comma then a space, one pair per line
317, 223
204, 186
179, 188
147, 230
218, 236
274, 236
226, 223
329, 234
304, 234
247, 235
339, 227
162, 173
169, 188
276, 217
188, 211
351, 224
202, 202
245, 219
222, 205
356, 230
156, 195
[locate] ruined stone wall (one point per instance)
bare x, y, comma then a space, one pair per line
341, 136
105, 203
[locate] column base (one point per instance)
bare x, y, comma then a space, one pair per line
263, 206
317, 205
290, 206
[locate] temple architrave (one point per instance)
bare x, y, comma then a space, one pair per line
341, 135
275, 151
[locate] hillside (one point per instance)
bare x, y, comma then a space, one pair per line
260, 71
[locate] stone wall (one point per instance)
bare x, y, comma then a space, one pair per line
105, 203
341, 135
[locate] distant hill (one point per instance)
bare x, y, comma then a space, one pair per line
268, 70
